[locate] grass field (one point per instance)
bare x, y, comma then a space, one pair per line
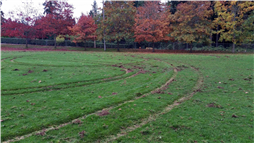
88, 96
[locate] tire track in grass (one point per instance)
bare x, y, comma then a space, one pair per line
151, 118
27, 64
162, 87
5, 59
126, 71
53, 87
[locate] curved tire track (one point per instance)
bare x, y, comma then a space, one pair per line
109, 108
151, 118
53, 87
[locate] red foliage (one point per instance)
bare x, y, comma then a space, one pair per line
10, 28
84, 30
14, 28
39, 33
56, 22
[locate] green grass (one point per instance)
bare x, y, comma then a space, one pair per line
78, 84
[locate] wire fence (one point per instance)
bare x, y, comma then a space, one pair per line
88, 44
143, 45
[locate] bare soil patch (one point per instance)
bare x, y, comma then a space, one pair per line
103, 113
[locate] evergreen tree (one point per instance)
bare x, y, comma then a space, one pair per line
138, 3
2, 13
49, 6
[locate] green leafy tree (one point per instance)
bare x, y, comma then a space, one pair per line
248, 29
118, 22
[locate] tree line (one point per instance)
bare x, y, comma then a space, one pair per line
150, 21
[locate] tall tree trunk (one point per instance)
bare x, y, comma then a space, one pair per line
55, 40
217, 36
233, 49
153, 47
26, 41
211, 38
94, 44
104, 44
118, 47
234, 10
104, 29
190, 47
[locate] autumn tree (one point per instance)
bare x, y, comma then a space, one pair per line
57, 19
15, 28
22, 25
151, 23
191, 22
27, 13
28, 29
119, 21
231, 16
39, 28
10, 28
84, 30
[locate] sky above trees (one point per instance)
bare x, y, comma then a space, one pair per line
80, 6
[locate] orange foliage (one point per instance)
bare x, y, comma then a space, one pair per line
191, 22
151, 23
84, 30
